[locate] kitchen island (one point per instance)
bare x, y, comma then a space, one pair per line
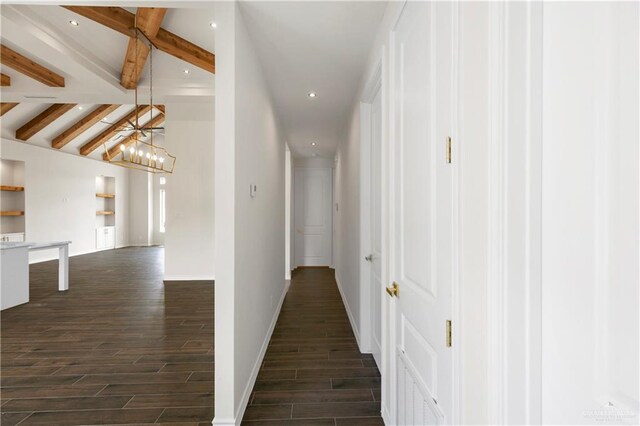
14, 270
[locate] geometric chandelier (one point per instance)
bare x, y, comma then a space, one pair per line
136, 153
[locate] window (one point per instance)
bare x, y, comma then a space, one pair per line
162, 210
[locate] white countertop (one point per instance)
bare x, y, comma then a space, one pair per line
13, 245
32, 245
52, 244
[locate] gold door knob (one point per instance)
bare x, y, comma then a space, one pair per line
394, 290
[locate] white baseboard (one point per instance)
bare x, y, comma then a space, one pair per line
223, 422
349, 314
189, 278
386, 417
244, 401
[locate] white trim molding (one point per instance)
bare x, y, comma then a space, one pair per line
349, 314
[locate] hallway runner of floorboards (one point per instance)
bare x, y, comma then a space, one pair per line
313, 372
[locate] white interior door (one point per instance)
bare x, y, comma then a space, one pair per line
313, 222
375, 257
421, 233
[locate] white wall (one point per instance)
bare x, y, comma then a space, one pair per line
347, 221
189, 236
60, 197
590, 311
250, 149
288, 206
157, 237
140, 208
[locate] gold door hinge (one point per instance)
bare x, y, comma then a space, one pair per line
448, 333
449, 149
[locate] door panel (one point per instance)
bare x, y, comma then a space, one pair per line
313, 224
421, 232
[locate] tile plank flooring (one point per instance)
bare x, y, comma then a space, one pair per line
119, 347
313, 372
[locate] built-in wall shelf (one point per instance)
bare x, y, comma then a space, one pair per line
99, 195
104, 213
11, 188
12, 199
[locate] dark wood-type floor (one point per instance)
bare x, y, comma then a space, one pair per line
313, 372
118, 348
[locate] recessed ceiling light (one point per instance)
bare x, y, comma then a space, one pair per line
186, 71
313, 144
80, 108
74, 23
213, 25
312, 94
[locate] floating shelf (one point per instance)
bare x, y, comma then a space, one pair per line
105, 212
105, 195
12, 213
11, 188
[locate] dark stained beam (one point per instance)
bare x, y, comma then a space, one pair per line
123, 21
103, 137
83, 125
5, 107
26, 66
42, 120
148, 20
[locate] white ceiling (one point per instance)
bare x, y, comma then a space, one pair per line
313, 46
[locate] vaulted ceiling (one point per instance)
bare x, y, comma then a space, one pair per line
68, 73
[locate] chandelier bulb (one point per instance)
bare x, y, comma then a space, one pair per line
122, 147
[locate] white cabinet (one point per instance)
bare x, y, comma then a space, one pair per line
15, 237
14, 275
105, 237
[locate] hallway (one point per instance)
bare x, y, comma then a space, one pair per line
313, 372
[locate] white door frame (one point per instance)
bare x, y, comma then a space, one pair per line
372, 88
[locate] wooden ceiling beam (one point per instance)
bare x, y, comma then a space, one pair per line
116, 18
42, 120
26, 66
148, 20
123, 21
5, 80
103, 137
5, 107
183, 49
159, 108
114, 150
83, 125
